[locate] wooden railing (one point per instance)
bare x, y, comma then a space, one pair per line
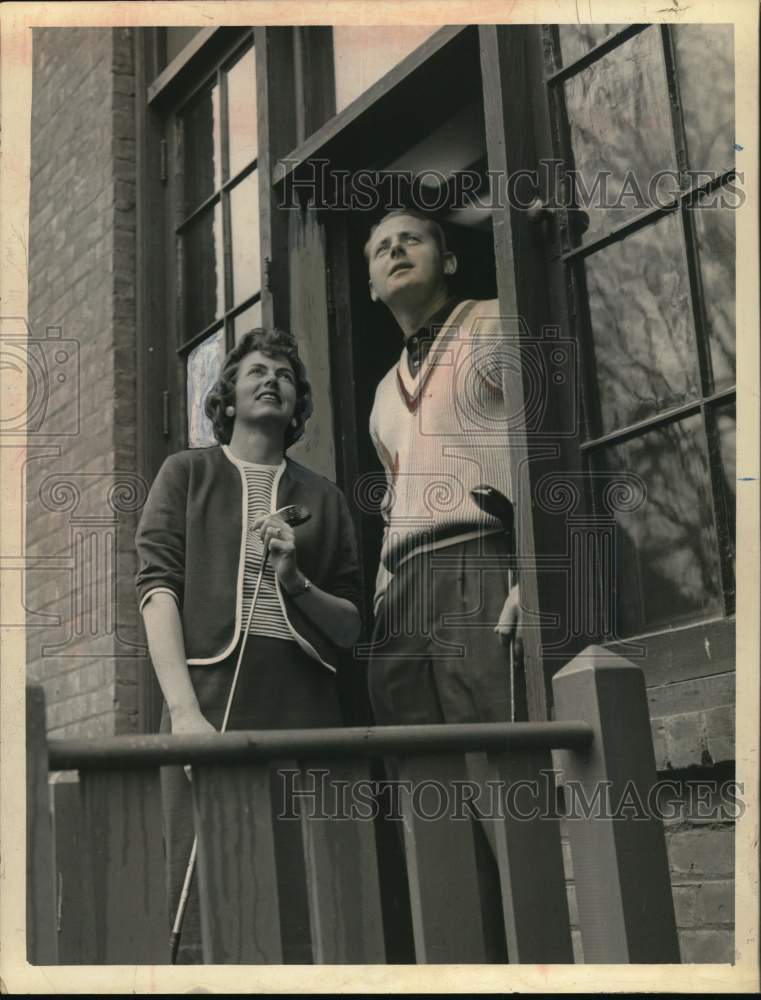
96, 883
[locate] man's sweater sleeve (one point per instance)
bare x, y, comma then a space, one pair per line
160, 537
494, 343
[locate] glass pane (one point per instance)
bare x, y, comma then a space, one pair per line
715, 228
249, 319
204, 363
201, 147
620, 131
641, 320
726, 425
177, 39
577, 39
364, 54
667, 565
203, 270
244, 212
241, 108
705, 63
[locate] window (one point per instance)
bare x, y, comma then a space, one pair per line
217, 226
363, 54
644, 118
207, 100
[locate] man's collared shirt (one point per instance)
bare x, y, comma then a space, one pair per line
420, 343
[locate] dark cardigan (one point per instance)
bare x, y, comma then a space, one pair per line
191, 542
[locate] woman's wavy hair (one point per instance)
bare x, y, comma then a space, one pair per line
274, 344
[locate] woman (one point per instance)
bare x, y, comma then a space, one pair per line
210, 516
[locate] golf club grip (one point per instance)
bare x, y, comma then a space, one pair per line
174, 946
179, 917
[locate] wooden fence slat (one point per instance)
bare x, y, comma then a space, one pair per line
341, 865
124, 866
620, 866
41, 944
75, 925
530, 860
441, 864
237, 879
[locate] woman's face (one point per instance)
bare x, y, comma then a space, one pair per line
265, 390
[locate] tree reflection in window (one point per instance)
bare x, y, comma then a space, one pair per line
641, 325
667, 563
715, 233
652, 284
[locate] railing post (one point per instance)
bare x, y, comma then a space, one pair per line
341, 865
441, 864
618, 847
530, 859
74, 910
41, 937
237, 880
123, 866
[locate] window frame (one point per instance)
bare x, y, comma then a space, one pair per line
712, 628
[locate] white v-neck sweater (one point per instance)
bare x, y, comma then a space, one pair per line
442, 432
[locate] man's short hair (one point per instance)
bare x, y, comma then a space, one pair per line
433, 227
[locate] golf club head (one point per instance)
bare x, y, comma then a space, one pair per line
295, 514
494, 503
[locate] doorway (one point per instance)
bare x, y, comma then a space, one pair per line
432, 172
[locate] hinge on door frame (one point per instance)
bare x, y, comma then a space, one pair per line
162, 161
165, 413
267, 272
329, 290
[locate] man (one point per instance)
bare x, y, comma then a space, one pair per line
439, 425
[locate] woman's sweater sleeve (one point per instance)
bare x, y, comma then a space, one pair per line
160, 537
344, 572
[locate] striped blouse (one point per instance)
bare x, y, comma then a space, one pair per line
269, 618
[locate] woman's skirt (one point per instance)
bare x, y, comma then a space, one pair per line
279, 687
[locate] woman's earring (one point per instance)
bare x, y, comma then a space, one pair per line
294, 422
230, 411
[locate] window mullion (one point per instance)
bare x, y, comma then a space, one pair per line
721, 524
224, 112
700, 324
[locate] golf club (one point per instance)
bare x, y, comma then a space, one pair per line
293, 515
496, 504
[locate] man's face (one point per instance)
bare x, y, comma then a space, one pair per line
405, 263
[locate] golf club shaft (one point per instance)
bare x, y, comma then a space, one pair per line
234, 684
174, 940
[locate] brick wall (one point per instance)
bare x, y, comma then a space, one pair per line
701, 861
81, 489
